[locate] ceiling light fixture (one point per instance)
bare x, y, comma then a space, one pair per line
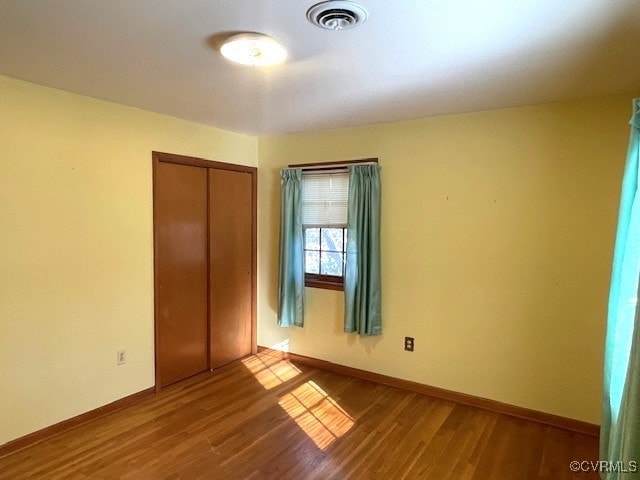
336, 15
253, 49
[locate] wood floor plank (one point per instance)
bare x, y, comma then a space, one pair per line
266, 418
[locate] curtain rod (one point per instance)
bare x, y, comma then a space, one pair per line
332, 166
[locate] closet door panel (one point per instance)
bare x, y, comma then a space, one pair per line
180, 210
230, 242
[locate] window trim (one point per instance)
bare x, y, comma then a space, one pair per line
329, 282
314, 280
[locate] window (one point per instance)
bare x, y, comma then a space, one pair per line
324, 220
324, 256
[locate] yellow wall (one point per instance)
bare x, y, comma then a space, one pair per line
497, 237
76, 269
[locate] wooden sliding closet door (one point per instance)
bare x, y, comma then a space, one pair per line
181, 258
230, 280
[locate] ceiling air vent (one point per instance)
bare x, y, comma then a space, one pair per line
336, 15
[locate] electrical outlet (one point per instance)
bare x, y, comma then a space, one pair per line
408, 344
121, 357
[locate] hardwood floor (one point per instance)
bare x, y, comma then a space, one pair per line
265, 418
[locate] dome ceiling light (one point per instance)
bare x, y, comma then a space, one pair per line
253, 49
337, 15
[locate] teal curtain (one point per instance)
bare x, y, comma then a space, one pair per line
362, 299
291, 271
620, 432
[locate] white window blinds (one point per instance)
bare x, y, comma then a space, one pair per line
324, 199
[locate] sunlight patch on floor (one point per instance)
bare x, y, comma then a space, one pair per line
269, 369
316, 413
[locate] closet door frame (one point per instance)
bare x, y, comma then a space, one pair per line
161, 157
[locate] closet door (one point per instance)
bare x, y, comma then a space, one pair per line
181, 257
231, 247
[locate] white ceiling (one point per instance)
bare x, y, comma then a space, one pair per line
411, 59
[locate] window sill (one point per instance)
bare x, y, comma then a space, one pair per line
326, 284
